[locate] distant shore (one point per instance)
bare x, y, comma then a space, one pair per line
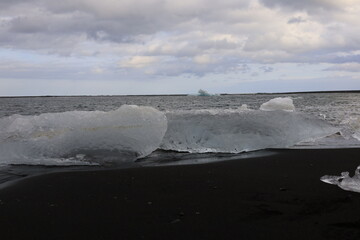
270, 197
182, 95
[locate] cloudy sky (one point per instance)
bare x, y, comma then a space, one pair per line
67, 47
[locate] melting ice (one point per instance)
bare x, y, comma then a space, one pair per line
238, 131
351, 127
274, 126
345, 181
124, 134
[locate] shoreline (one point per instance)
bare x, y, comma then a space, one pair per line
278, 196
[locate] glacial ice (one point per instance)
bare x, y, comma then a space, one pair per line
132, 132
202, 92
351, 127
345, 181
280, 103
127, 133
241, 130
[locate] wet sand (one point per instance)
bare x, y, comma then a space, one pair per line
272, 197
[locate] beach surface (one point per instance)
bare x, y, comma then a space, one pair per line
270, 197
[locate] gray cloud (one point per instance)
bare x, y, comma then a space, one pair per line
296, 20
308, 5
190, 36
345, 67
185, 66
266, 69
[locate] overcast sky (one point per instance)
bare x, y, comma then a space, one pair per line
72, 47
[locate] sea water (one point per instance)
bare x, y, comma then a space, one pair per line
38, 133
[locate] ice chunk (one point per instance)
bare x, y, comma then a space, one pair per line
351, 127
202, 92
238, 130
127, 133
345, 181
285, 104
244, 107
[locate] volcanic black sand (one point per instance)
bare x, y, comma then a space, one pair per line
273, 197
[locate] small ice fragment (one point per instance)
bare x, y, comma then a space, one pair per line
331, 179
243, 107
345, 181
175, 221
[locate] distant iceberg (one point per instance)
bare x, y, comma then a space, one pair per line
204, 93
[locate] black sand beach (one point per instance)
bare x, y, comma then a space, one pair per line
273, 197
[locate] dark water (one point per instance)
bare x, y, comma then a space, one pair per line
335, 106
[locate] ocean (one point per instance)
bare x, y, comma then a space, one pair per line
46, 134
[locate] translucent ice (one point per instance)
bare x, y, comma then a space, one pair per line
240, 130
202, 92
285, 104
345, 181
127, 133
351, 127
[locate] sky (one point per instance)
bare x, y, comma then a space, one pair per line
120, 47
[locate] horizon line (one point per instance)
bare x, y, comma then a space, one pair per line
183, 94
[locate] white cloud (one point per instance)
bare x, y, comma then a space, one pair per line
61, 26
203, 59
138, 62
98, 70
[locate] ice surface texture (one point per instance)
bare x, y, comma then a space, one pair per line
351, 127
242, 130
345, 181
125, 134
